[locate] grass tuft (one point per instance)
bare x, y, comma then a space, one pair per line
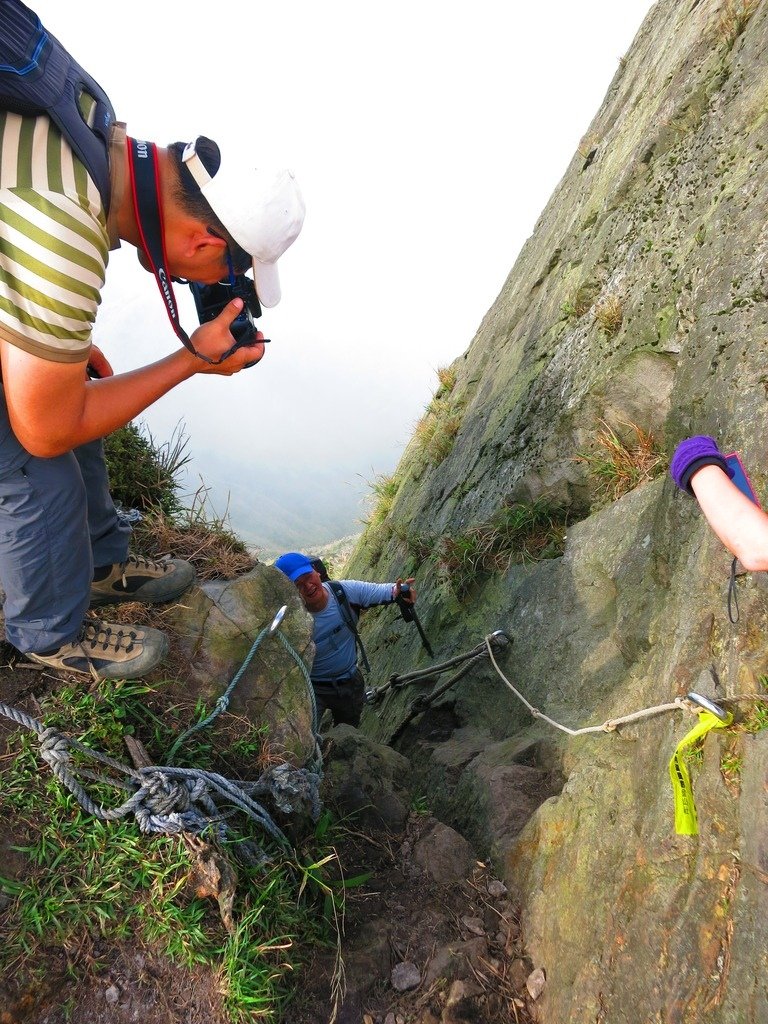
384, 488
609, 315
733, 20
197, 534
143, 473
435, 433
616, 465
446, 376
518, 532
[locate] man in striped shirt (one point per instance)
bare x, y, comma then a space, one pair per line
62, 546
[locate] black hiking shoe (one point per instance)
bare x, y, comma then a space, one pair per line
106, 650
141, 579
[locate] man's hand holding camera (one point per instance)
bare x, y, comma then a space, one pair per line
214, 339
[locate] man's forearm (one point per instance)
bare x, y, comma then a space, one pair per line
114, 401
737, 521
53, 408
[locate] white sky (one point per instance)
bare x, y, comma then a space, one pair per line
426, 137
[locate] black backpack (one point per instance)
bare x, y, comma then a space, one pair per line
349, 612
39, 76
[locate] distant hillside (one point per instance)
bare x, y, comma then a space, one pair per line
278, 509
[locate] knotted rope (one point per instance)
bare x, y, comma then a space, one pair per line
678, 704
164, 800
168, 800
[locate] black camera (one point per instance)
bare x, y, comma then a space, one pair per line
210, 299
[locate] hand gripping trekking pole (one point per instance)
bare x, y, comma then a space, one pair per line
409, 614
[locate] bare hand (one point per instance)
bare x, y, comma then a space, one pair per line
214, 338
410, 596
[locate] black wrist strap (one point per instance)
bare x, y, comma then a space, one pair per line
697, 464
733, 597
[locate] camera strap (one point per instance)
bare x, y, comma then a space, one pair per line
145, 186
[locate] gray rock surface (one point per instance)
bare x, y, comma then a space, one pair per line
661, 212
218, 623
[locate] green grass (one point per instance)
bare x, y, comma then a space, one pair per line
617, 463
731, 766
144, 473
384, 490
85, 878
435, 433
518, 532
756, 719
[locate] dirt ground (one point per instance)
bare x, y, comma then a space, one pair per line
413, 949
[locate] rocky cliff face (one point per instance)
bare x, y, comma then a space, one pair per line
636, 310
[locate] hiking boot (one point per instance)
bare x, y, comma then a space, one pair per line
106, 650
141, 579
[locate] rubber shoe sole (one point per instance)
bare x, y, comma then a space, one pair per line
106, 650
143, 579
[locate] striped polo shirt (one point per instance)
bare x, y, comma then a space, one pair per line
53, 242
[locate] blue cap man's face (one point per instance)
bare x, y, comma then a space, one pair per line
312, 591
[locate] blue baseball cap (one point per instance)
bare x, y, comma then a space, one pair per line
293, 564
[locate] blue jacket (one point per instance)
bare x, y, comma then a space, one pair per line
335, 650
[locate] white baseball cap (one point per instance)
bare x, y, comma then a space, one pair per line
261, 208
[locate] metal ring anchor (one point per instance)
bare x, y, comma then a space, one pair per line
275, 624
708, 705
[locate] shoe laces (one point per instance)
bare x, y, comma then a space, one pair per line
97, 635
143, 564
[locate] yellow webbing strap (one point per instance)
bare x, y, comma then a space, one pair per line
686, 820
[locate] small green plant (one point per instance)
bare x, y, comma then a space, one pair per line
617, 465
609, 314
517, 532
694, 755
756, 718
731, 765
420, 805
142, 473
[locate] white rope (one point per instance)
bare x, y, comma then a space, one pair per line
679, 704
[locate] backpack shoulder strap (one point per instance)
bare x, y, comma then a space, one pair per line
350, 617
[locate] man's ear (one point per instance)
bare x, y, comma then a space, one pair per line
199, 239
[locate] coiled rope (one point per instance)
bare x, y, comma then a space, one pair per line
169, 800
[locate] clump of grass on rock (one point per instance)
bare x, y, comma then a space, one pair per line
619, 463
145, 475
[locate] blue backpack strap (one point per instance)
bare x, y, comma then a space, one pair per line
349, 617
39, 76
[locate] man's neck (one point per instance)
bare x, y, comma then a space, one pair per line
127, 226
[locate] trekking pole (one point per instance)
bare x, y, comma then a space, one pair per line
409, 614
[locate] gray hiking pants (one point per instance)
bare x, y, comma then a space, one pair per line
57, 520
